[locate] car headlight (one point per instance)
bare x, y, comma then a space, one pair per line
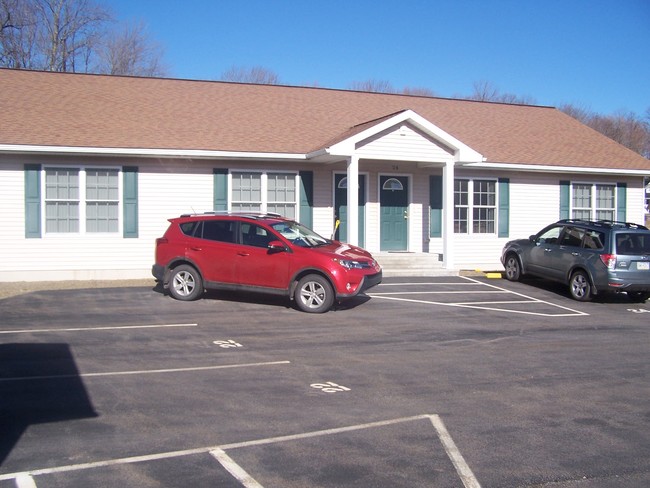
349, 264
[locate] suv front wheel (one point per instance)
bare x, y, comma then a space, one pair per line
513, 268
580, 286
185, 283
314, 294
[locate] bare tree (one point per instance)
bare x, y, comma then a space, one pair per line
72, 35
257, 75
18, 34
373, 85
130, 52
485, 91
626, 128
71, 31
418, 91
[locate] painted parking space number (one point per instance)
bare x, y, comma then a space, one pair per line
638, 310
329, 387
227, 344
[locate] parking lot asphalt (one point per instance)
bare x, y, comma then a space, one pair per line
444, 382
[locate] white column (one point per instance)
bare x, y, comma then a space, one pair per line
353, 200
448, 215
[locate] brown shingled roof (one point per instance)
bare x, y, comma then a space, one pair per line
61, 109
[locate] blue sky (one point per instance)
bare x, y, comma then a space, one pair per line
591, 53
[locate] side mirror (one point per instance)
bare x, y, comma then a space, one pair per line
533, 238
276, 246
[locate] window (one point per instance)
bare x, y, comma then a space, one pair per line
477, 213
264, 192
81, 200
593, 201
247, 192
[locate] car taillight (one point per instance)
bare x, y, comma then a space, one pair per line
608, 260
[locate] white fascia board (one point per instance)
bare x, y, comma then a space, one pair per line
147, 153
462, 151
553, 169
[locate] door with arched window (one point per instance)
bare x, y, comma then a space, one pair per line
393, 200
341, 207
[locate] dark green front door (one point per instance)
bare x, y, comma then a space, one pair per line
341, 207
393, 200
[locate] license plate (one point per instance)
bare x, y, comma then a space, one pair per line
642, 265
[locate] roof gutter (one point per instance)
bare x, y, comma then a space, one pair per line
146, 153
553, 169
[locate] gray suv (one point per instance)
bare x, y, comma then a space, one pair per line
590, 257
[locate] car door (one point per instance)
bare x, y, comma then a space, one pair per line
571, 253
213, 250
541, 255
256, 264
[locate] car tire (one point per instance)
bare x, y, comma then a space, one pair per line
513, 268
580, 286
638, 296
185, 283
314, 294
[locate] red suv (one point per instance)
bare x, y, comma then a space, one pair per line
262, 253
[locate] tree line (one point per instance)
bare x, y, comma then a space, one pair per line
83, 36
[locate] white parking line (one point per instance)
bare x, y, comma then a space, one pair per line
478, 305
83, 329
463, 470
144, 371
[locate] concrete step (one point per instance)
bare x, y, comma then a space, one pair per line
412, 264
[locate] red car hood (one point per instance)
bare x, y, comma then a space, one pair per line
344, 251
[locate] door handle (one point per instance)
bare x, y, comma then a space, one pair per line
546, 249
242, 253
575, 254
195, 248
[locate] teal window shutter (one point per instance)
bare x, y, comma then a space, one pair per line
130, 203
307, 198
435, 206
220, 189
504, 207
32, 201
621, 201
565, 199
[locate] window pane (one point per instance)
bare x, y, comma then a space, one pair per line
102, 217
484, 192
61, 217
102, 184
62, 184
483, 221
581, 214
604, 215
460, 220
581, 196
247, 187
605, 196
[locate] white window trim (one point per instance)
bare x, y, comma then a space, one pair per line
82, 200
470, 207
593, 209
264, 187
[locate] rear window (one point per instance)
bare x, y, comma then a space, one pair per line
633, 243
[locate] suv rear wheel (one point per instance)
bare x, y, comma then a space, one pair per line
314, 294
185, 283
580, 286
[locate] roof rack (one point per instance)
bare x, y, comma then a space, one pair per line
604, 223
252, 215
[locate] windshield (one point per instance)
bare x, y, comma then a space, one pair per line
299, 234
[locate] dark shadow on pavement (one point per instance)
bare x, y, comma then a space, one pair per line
38, 383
